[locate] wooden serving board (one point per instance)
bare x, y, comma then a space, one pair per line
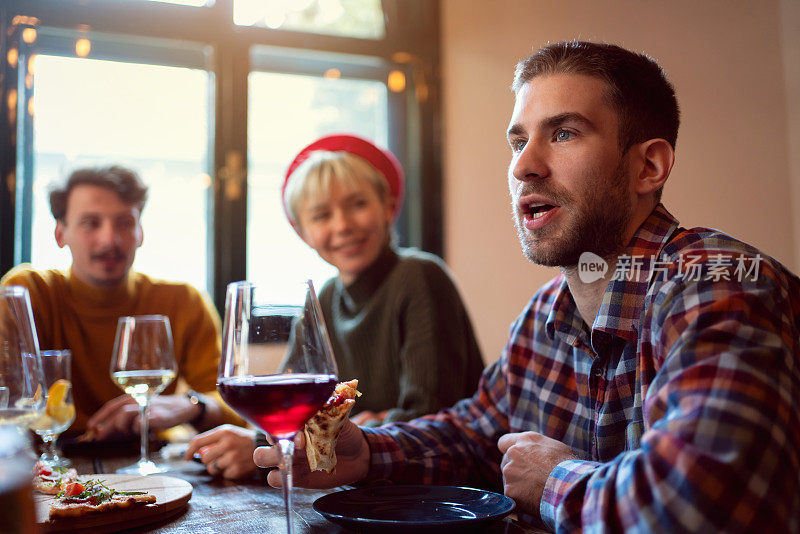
171, 494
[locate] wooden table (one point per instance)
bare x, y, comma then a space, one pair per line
218, 505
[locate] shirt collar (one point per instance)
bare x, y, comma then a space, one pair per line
564, 318
623, 298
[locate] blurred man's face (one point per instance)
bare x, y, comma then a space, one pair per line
102, 233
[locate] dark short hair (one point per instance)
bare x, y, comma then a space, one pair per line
638, 88
124, 182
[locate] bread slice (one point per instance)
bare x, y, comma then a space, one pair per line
93, 496
50, 481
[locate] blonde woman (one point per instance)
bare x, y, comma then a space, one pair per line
395, 318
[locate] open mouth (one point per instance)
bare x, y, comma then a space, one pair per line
535, 211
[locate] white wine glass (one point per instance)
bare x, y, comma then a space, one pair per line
22, 388
143, 364
59, 412
277, 367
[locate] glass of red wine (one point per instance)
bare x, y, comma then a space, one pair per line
277, 367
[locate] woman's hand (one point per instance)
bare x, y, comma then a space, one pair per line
226, 451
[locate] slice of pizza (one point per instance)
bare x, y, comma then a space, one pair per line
322, 430
92, 496
52, 480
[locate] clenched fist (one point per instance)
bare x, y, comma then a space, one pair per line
528, 459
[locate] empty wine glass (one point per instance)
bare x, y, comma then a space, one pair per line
59, 412
143, 364
277, 366
23, 393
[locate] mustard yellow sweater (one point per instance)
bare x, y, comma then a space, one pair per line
70, 314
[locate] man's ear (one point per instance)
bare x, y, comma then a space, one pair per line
656, 158
59, 233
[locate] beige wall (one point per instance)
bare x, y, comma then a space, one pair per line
790, 34
735, 156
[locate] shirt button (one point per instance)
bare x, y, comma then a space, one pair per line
598, 371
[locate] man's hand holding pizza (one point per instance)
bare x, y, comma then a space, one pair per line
352, 465
336, 451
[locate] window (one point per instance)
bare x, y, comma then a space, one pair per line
193, 92
196, 3
351, 18
151, 118
286, 113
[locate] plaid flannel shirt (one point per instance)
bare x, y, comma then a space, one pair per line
682, 400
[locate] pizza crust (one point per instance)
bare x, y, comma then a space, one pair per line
61, 509
322, 431
45, 487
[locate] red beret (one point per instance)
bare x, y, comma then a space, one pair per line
383, 161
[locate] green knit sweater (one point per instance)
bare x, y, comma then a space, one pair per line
402, 330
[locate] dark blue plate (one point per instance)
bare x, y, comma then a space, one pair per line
400, 508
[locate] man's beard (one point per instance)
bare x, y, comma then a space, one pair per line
599, 225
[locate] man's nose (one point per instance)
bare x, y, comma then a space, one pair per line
530, 163
108, 233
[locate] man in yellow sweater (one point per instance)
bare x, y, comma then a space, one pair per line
97, 214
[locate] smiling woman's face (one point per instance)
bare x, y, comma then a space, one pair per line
348, 227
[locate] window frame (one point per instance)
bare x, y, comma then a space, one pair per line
411, 44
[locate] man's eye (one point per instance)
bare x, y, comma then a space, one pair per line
518, 144
563, 135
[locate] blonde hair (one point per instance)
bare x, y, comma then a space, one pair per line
314, 178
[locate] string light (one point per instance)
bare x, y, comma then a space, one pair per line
396, 81
82, 47
12, 100
12, 56
417, 73
23, 20
29, 35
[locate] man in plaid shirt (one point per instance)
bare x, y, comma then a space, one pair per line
654, 384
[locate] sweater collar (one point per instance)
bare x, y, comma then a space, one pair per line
362, 288
101, 296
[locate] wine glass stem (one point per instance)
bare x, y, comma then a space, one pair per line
144, 427
50, 444
287, 450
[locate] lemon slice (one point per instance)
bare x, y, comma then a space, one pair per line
63, 413
57, 396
